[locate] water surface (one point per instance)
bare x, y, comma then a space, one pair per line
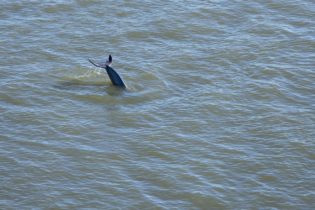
219, 112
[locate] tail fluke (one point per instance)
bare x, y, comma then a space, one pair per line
95, 64
110, 60
102, 64
113, 75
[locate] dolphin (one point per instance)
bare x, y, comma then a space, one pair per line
113, 75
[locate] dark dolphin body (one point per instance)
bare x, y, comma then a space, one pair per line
113, 75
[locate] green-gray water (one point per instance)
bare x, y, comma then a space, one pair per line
219, 112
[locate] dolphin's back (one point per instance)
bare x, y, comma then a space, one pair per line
114, 77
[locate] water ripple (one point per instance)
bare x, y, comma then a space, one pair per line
219, 109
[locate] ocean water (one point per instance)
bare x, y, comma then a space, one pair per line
219, 111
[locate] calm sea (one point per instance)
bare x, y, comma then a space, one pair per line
219, 112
